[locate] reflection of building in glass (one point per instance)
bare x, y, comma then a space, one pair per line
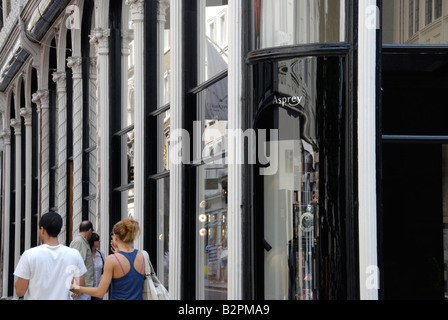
287, 22
415, 22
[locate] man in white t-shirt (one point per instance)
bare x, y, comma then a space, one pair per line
46, 272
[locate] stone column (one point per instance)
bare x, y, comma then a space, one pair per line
60, 79
6, 136
75, 63
41, 98
26, 114
17, 125
176, 176
236, 152
100, 38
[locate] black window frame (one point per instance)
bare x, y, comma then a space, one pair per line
52, 118
115, 129
12, 196
35, 207
87, 149
396, 50
152, 111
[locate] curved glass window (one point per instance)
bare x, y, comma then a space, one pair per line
286, 22
299, 179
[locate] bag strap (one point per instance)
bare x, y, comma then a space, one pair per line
148, 260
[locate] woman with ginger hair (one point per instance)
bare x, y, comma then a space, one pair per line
124, 270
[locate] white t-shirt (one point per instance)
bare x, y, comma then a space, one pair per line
50, 271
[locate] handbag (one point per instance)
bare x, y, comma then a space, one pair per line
152, 287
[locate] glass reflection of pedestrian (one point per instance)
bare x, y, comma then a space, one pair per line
98, 260
212, 257
223, 262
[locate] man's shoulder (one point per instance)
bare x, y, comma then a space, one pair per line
76, 239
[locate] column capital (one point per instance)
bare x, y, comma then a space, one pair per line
100, 38
41, 98
162, 5
75, 63
137, 10
16, 123
6, 136
59, 78
27, 114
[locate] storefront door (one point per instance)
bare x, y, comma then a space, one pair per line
414, 219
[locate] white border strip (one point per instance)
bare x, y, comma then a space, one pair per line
368, 259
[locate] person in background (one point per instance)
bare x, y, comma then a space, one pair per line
98, 260
124, 270
46, 272
81, 243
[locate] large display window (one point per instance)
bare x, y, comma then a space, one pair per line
299, 213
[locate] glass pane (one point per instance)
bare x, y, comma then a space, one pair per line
286, 22
291, 216
163, 211
93, 178
164, 34
127, 60
213, 112
212, 231
163, 141
414, 221
127, 158
296, 127
414, 89
445, 217
415, 22
213, 44
127, 204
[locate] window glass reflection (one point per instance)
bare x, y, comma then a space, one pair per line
286, 22
163, 141
213, 110
415, 22
127, 204
163, 210
294, 187
212, 231
291, 216
213, 46
127, 158
445, 217
164, 52
127, 60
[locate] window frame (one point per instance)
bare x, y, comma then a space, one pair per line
87, 149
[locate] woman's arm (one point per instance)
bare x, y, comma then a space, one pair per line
102, 288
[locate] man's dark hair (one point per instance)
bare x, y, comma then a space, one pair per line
52, 223
85, 226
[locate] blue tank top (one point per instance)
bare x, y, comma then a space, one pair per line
128, 287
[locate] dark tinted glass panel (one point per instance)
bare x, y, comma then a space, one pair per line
299, 107
414, 87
